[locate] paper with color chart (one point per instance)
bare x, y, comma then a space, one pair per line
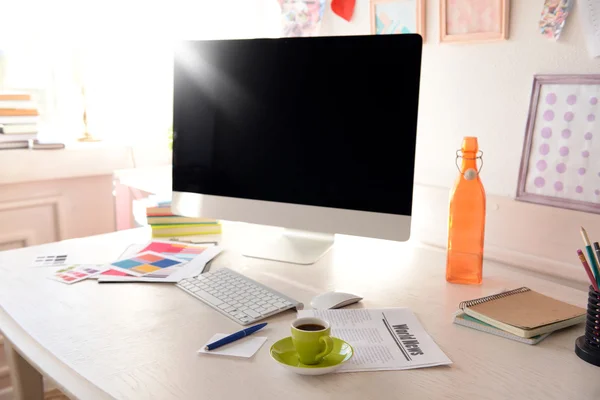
195, 266
77, 272
129, 252
178, 250
245, 347
50, 260
383, 339
147, 262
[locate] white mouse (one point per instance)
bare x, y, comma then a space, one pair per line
330, 300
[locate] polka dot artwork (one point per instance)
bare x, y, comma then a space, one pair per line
563, 144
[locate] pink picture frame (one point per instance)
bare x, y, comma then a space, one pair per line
558, 162
473, 20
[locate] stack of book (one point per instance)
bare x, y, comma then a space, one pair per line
166, 224
521, 314
18, 119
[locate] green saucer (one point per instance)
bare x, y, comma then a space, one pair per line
284, 353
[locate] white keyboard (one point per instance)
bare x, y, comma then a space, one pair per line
242, 299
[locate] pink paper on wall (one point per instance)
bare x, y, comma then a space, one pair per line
473, 16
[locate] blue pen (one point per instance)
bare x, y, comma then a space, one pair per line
234, 336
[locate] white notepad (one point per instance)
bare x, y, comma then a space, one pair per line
245, 347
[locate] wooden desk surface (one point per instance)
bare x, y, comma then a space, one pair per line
139, 341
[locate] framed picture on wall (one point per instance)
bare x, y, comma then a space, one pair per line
560, 164
473, 20
390, 17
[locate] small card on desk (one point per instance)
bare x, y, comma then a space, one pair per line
50, 260
245, 347
77, 272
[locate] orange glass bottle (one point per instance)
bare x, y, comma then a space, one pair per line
466, 224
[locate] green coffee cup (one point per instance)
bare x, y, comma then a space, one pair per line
312, 339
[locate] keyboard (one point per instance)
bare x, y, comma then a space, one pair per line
240, 298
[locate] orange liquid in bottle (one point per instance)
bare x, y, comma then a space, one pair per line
466, 225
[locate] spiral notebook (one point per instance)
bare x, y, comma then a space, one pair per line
524, 312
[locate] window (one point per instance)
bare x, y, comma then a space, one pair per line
114, 61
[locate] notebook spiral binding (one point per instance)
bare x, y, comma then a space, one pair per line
471, 303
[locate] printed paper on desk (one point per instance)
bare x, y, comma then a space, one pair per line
77, 272
183, 251
172, 274
129, 252
50, 260
145, 263
383, 339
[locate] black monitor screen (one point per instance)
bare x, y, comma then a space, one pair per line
323, 121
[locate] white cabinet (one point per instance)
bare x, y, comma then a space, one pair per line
52, 195
48, 211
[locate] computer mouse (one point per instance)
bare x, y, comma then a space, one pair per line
330, 300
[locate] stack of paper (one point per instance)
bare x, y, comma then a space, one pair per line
520, 314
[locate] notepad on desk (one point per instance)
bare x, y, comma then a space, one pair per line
524, 312
465, 320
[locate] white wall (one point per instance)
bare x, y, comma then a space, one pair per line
483, 90
479, 90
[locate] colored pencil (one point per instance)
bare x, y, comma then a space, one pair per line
591, 255
586, 266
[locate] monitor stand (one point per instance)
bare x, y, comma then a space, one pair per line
291, 246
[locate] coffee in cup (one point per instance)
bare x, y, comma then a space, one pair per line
312, 339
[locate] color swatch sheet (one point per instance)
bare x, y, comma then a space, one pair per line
50, 260
177, 250
191, 262
77, 272
144, 263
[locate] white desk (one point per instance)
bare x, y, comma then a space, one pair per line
139, 341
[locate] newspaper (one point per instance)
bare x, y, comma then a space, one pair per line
383, 339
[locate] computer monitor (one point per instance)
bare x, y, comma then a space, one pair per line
316, 135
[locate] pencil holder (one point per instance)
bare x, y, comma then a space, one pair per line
587, 347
